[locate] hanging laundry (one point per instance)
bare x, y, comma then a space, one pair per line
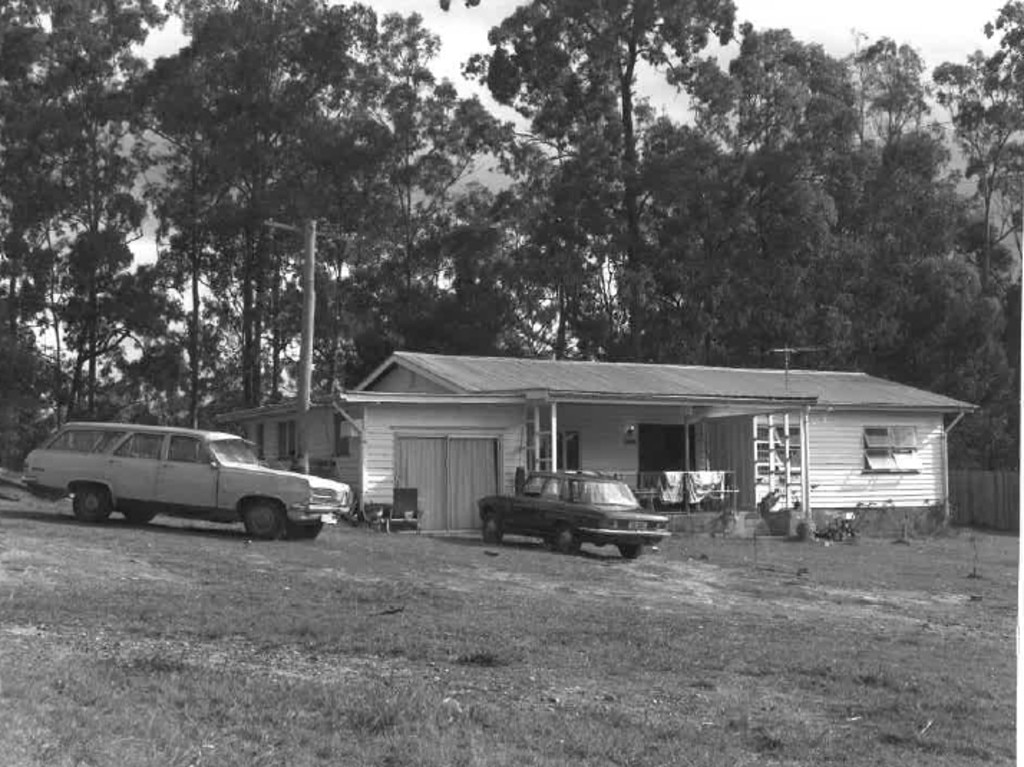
701, 484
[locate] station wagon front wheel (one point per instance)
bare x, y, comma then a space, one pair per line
264, 520
91, 503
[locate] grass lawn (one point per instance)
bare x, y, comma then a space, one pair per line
177, 645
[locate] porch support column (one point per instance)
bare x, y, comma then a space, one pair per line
686, 455
686, 440
536, 438
554, 436
805, 461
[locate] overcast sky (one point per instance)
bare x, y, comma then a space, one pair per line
940, 30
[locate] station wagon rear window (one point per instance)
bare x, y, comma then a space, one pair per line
85, 440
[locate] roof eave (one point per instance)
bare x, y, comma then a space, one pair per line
953, 407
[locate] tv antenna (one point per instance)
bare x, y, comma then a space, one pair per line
787, 353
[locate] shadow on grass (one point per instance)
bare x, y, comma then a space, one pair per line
119, 523
523, 544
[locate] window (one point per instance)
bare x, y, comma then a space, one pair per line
343, 436
286, 444
185, 450
568, 451
533, 486
552, 489
85, 440
891, 449
141, 446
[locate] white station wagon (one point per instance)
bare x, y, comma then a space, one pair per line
141, 471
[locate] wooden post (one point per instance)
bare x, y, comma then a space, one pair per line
554, 436
536, 439
306, 350
805, 461
686, 458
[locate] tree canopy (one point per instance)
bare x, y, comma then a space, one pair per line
861, 206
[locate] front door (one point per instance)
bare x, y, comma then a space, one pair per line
187, 478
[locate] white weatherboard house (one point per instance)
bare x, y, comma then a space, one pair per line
456, 428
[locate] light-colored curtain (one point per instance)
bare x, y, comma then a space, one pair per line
421, 464
472, 474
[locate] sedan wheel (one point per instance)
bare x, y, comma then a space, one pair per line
307, 532
264, 520
566, 541
139, 516
492, 531
91, 503
630, 550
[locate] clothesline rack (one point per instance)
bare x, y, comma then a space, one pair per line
690, 491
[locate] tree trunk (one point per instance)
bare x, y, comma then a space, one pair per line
193, 341
248, 385
630, 196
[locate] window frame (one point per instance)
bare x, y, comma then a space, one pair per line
287, 439
141, 435
891, 449
201, 453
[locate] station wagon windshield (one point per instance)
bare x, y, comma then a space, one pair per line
236, 451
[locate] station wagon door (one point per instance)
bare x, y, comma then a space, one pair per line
187, 478
132, 468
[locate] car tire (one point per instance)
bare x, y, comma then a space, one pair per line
630, 550
265, 520
308, 532
492, 532
139, 516
566, 541
91, 503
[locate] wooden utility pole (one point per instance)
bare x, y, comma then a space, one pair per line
306, 352
306, 348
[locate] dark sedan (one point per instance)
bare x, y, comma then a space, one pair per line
567, 509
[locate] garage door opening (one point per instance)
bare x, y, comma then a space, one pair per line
450, 475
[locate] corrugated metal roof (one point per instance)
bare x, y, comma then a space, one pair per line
490, 375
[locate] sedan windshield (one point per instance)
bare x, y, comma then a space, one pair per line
236, 451
607, 494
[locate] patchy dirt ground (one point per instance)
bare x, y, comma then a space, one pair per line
706, 636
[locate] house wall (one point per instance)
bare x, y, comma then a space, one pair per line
837, 476
384, 423
321, 443
602, 430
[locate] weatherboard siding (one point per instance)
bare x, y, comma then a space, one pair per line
837, 476
387, 422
